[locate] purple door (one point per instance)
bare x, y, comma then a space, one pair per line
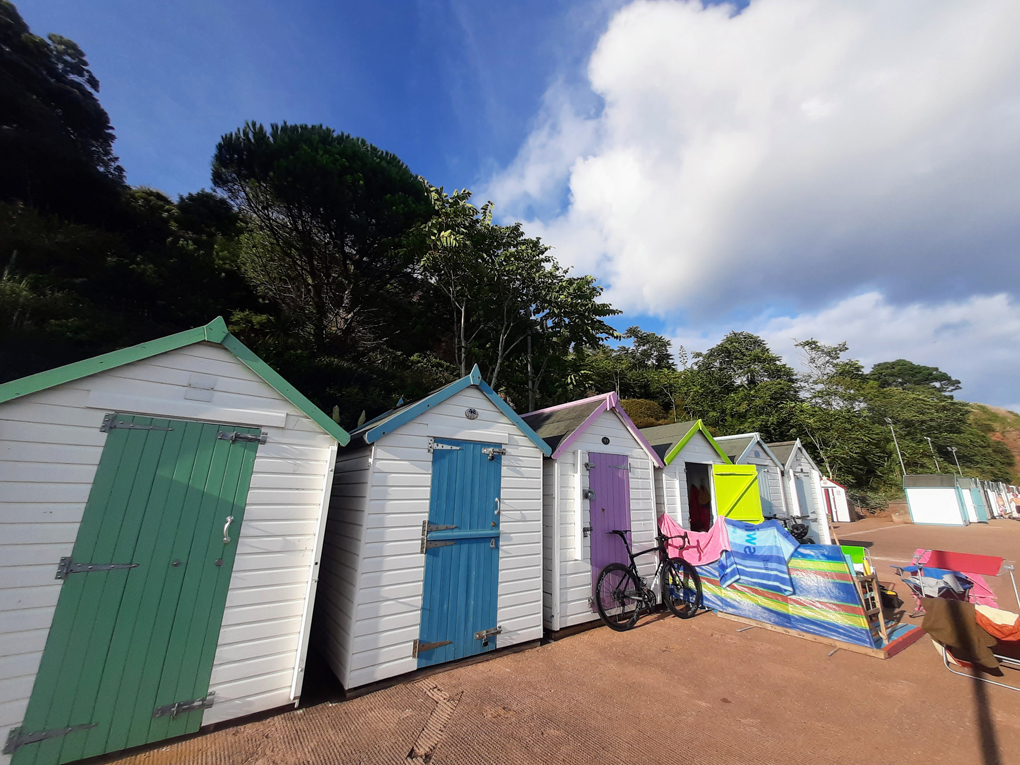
609, 508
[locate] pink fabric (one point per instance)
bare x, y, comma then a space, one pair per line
703, 548
980, 594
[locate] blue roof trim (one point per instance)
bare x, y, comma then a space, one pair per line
419, 407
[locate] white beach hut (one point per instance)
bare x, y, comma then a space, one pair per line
835, 501
598, 478
161, 513
434, 541
803, 486
935, 500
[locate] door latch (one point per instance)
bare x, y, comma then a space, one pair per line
586, 530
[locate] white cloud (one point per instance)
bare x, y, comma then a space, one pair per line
791, 154
974, 339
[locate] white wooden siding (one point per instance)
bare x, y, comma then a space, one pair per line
799, 462
50, 446
386, 592
574, 582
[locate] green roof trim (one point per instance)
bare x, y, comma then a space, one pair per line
699, 427
214, 332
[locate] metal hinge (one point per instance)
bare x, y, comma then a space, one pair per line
482, 634
417, 648
17, 738
234, 437
110, 422
591, 601
433, 445
492, 451
426, 543
589, 465
621, 467
68, 566
180, 707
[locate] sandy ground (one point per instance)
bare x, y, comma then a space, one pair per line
670, 691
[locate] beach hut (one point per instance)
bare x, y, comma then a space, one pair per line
802, 483
935, 500
598, 478
433, 546
699, 483
161, 513
973, 499
837, 508
751, 449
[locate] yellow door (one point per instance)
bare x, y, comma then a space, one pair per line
736, 492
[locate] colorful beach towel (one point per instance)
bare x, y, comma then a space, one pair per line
758, 555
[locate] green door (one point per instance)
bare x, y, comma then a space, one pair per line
129, 642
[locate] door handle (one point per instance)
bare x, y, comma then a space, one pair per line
497, 506
226, 529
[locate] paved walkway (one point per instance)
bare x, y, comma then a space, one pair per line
670, 692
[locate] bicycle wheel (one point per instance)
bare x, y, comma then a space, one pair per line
681, 588
618, 597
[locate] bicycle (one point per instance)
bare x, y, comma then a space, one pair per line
621, 595
798, 530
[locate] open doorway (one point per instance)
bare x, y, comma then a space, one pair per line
699, 496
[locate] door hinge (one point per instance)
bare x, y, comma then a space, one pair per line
492, 451
17, 737
110, 422
67, 567
417, 648
621, 467
426, 543
589, 465
180, 707
433, 445
234, 437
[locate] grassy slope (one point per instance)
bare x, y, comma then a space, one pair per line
1002, 425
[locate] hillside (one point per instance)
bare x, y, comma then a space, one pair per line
1002, 425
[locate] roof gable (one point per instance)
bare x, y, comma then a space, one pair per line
787, 451
737, 446
561, 425
375, 429
214, 332
671, 439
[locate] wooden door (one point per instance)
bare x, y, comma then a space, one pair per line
461, 546
608, 509
137, 633
736, 492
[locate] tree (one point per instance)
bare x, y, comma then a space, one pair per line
739, 386
904, 374
326, 214
512, 308
55, 139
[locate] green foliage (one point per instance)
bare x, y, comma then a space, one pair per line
55, 139
645, 413
905, 374
325, 215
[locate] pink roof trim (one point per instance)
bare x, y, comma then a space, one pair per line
610, 402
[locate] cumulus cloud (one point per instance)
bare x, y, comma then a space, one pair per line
974, 339
788, 155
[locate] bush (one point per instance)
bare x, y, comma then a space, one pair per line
644, 413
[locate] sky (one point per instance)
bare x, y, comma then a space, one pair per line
793, 168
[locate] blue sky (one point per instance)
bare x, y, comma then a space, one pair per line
797, 168
449, 87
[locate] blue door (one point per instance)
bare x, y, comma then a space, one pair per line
461, 546
976, 496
